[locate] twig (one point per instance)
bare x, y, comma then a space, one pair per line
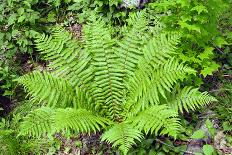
226, 75
217, 48
217, 90
184, 151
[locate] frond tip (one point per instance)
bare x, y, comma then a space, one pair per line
122, 135
48, 88
157, 119
48, 121
190, 98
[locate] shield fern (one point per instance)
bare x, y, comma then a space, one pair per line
126, 84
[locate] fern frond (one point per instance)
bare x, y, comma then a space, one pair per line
189, 98
157, 119
150, 83
37, 123
79, 120
159, 49
107, 85
66, 57
156, 53
83, 100
123, 136
130, 47
47, 88
48, 121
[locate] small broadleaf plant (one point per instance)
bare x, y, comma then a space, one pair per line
125, 86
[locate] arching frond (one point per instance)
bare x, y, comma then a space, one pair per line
150, 83
159, 48
107, 85
189, 98
157, 119
48, 121
79, 120
130, 46
37, 123
123, 136
67, 59
157, 54
47, 88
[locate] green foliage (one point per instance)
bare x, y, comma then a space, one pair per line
223, 112
122, 135
10, 144
199, 134
42, 89
6, 76
224, 95
225, 55
106, 8
17, 20
48, 120
153, 146
208, 150
197, 21
223, 109
210, 127
19, 23
126, 80
190, 98
7, 142
151, 120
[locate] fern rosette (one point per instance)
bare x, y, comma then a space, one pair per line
128, 85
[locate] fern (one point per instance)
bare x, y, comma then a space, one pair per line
130, 47
80, 120
67, 58
49, 89
155, 118
37, 122
122, 135
48, 120
189, 98
106, 87
128, 83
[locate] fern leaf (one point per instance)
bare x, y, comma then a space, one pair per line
83, 100
80, 120
130, 47
65, 55
122, 135
37, 123
107, 85
157, 119
156, 53
152, 82
189, 98
159, 49
45, 87
48, 121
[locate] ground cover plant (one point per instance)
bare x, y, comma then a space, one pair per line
112, 83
